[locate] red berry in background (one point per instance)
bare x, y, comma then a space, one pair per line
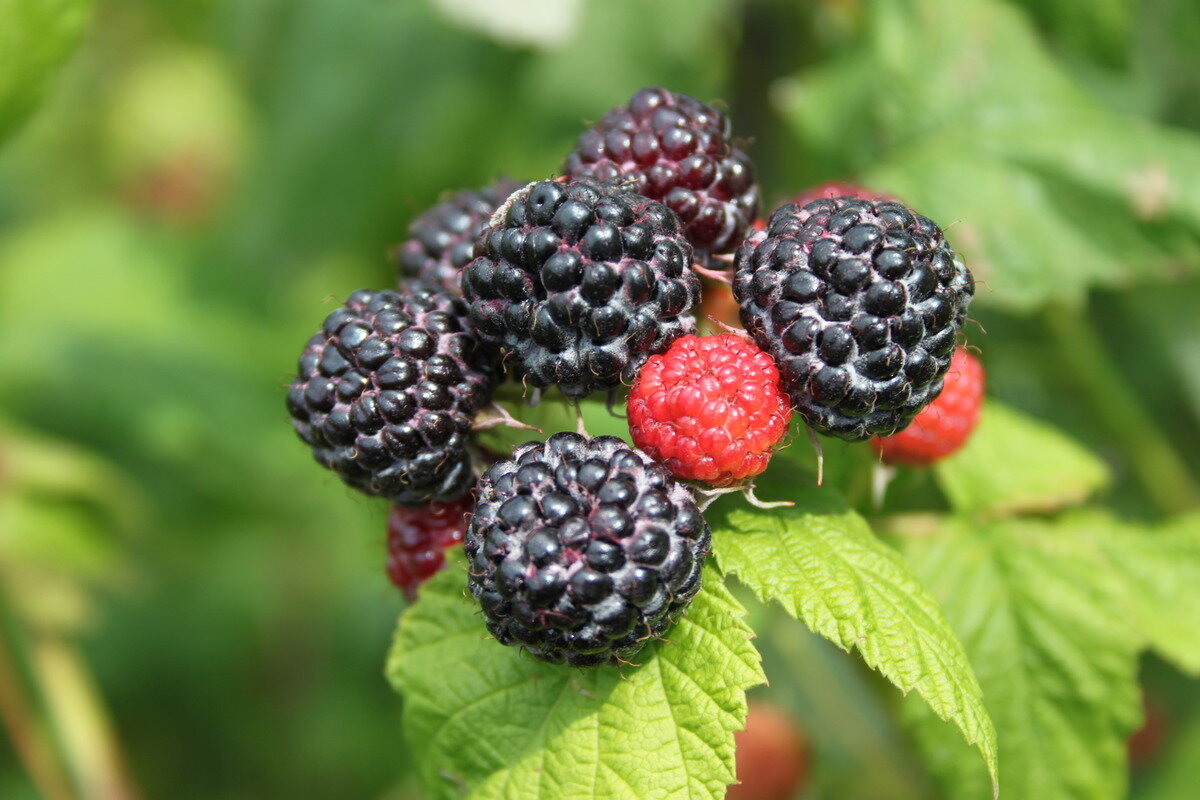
833, 189
944, 425
710, 409
1146, 743
418, 538
772, 756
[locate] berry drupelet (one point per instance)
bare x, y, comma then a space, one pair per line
581, 550
387, 392
859, 302
418, 538
944, 425
442, 240
710, 409
579, 283
673, 148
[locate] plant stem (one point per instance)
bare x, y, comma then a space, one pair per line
25, 730
81, 721
1158, 468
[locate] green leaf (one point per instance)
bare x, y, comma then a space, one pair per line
55, 470
490, 721
37, 37
1014, 463
961, 112
60, 507
1101, 29
1043, 621
1160, 569
628, 37
821, 562
1177, 778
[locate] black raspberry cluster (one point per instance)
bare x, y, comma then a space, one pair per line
582, 549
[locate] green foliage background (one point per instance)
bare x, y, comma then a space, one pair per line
186, 188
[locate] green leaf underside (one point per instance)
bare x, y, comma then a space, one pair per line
976, 125
1045, 624
821, 562
488, 721
1014, 463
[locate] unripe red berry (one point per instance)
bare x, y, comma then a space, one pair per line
710, 409
772, 756
418, 538
944, 425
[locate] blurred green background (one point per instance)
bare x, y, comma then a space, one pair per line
191, 608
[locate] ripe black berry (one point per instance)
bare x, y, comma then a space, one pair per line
583, 549
859, 302
580, 283
387, 392
673, 148
442, 240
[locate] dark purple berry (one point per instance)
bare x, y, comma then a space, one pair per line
581, 550
387, 393
859, 302
442, 240
580, 283
673, 148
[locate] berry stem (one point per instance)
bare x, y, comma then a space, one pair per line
820, 451
707, 495
881, 477
724, 276
82, 721
498, 415
55, 715
752, 499
26, 728
1158, 468
580, 422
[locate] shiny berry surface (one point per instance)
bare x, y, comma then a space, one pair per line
386, 393
417, 540
442, 240
582, 550
944, 425
673, 148
859, 302
710, 409
579, 283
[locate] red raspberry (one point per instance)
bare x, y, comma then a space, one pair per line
833, 189
773, 756
710, 409
418, 539
945, 424
1146, 743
